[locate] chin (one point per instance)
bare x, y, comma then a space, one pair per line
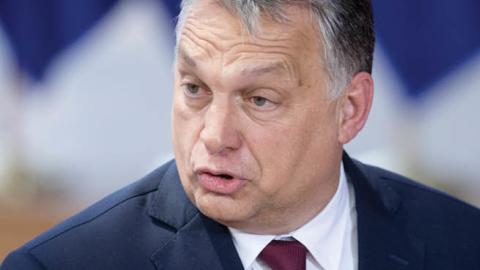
223, 209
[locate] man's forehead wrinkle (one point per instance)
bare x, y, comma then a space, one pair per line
192, 33
284, 40
255, 47
304, 36
280, 67
209, 22
277, 56
192, 54
277, 53
263, 69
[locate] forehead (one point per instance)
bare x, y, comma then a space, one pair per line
211, 29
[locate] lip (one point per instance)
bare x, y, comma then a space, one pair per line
211, 180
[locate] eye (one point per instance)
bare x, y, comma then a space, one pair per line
262, 103
192, 89
263, 99
259, 101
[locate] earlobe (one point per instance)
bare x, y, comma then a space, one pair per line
355, 106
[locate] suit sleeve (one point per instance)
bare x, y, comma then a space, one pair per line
21, 260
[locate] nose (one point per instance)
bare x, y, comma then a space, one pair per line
220, 133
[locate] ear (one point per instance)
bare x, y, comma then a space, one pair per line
355, 106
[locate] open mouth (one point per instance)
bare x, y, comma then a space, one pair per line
220, 182
222, 175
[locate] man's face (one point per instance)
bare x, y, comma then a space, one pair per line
255, 133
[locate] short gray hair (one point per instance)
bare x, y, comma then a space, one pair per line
346, 28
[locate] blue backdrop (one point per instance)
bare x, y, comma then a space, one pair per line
424, 39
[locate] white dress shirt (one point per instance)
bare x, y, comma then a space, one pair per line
330, 237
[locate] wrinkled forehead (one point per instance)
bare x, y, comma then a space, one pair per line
214, 39
250, 14
286, 21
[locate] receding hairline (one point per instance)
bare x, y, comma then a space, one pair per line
280, 15
304, 35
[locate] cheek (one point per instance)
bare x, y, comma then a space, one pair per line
272, 147
185, 126
283, 148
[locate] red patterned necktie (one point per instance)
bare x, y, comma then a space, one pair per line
284, 255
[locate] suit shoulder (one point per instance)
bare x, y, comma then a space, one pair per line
20, 259
419, 195
118, 202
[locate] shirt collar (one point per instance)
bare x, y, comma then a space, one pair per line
249, 245
322, 236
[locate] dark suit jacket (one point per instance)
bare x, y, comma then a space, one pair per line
152, 225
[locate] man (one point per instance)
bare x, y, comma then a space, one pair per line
266, 95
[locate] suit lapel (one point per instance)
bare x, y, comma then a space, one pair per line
222, 242
191, 248
383, 240
199, 242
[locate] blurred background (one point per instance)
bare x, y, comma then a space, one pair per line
85, 93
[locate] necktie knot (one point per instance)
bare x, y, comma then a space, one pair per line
284, 255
